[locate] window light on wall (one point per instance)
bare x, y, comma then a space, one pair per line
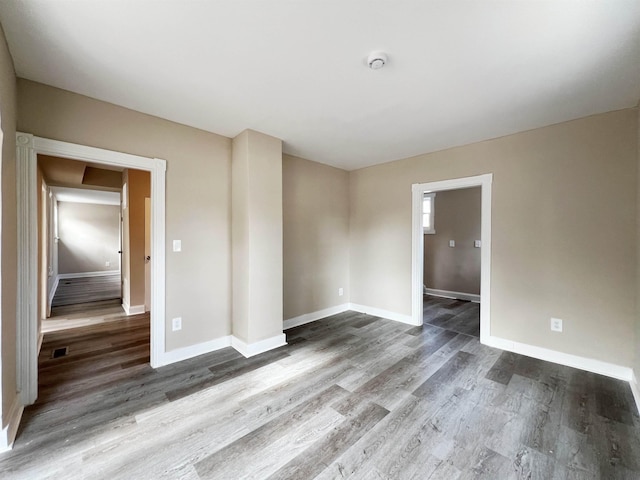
428, 213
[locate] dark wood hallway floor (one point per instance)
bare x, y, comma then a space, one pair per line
350, 396
72, 291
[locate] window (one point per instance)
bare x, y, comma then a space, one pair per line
428, 213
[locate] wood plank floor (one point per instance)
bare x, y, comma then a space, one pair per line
351, 396
82, 315
456, 315
71, 291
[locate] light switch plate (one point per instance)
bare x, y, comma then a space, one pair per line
176, 324
340, 292
177, 245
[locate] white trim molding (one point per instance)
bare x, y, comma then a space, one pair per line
472, 297
8, 433
561, 358
635, 389
27, 149
101, 273
417, 265
379, 312
313, 316
256, 348
191, 351
27, 310
132, 309
52, 292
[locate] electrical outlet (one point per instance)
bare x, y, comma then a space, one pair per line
556, 324
452, 243
176, 324
107, 263
177, 245
340, 292
477, 243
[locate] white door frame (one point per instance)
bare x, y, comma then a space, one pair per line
28, 147
418, 191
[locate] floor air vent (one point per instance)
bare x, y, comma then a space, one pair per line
60, 352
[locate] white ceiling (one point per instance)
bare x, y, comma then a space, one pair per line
458, 71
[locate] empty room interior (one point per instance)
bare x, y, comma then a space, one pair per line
296, 240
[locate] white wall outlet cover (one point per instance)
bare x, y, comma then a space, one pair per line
556, 324
177, 245
477, 243
452, 243
341, 291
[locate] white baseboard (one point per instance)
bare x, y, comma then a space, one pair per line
635, 389
251, 349
567, 359
52, 292
378, 312
101, 273
472, 297
8, 433
132, 309
191, 351
313, 316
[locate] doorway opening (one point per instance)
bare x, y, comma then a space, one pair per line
423, 194
29, 331
452, 249
79, 233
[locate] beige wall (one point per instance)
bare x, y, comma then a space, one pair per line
316, 236
637, 342
198, 195
89, 236
257, 236
8, 274
457, 217
563, 231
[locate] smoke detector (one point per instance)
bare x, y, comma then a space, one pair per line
377, 60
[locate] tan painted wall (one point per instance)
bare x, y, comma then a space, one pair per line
139, 188
43, 246
88, 237
457, 217
125, 265
257, 236
240, 235
8, 274
316, 236
637, 342
563, 225
198, 195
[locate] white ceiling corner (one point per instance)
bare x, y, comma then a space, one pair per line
458, 71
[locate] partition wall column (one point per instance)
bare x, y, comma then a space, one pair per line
256, 217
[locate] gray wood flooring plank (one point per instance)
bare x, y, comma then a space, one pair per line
404, 402
227, 462
313, 461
